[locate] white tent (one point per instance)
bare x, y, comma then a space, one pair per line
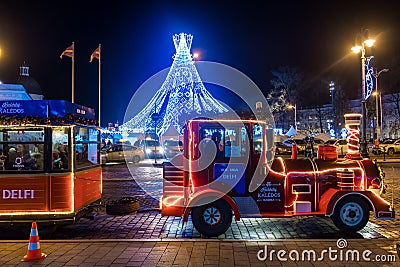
323, 136
299, 136
291, 132
280, 138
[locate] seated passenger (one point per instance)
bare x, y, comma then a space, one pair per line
60, 158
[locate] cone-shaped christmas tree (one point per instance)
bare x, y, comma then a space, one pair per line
181, 97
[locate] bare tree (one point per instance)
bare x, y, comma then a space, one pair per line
286, 85
340, 106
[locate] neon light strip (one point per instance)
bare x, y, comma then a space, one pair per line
364, 177
295, 199
71, 140
191, 157
171, 200
241, 121
36, 213
316, 188
316, 172
352, 139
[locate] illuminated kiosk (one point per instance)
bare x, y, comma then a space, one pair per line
181, 97
49, 161
353, 122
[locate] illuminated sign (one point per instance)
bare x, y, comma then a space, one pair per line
18, 194
231, 174
269, 192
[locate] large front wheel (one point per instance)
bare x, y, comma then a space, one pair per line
351, 214
212, 219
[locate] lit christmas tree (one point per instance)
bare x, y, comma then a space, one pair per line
181, 97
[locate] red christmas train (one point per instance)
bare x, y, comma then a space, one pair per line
227, 170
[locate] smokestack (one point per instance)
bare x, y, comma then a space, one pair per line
353, 122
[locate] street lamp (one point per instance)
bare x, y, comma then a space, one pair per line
357, 49
295, 115
376, 75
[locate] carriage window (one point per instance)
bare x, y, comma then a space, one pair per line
235, 142
87, 145
212, 137
60, 155
21, 149
230, 142
257, 139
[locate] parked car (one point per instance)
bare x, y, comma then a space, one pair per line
341, 144
152, 148
318, 142
172, 147
282, 149
300, 143
388, 146
121, 152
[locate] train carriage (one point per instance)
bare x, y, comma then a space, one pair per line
49, 161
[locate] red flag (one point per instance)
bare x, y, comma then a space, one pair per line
69, 52
95, 54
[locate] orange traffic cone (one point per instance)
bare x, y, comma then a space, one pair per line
34, 251
294, 152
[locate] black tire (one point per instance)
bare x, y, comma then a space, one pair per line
351, 214
277, 152
123, 206
136, 159
390, 151
212, 219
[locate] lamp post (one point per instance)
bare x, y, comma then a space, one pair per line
376, 75
295, 115
357, 49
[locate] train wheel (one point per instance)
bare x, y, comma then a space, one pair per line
351, 214
212, 219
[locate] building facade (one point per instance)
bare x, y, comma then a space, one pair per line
322, 119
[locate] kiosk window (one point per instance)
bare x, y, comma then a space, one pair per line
60, 144
87, 145
21, 148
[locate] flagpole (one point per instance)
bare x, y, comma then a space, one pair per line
73, 72
99, 83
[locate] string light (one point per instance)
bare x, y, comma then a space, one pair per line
181, 95
352, 123
368, 77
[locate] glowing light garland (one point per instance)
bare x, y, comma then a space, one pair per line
352, 124
369, 82
181, 95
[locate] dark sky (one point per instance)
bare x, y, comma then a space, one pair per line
136, 39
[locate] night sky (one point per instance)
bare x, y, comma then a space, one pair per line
136, 39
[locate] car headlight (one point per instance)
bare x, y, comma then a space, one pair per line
148, 150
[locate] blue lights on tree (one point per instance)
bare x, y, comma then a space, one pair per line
181, 97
